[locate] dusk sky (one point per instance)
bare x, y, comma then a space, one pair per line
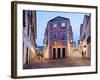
44, 16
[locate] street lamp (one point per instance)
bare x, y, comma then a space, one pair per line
71, 43
44, 45
55, 43
71, 40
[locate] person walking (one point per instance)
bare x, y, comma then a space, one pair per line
84, 52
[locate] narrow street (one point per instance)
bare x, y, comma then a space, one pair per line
77, 59
74, 61
55, 45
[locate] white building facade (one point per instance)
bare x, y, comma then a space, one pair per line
29, 36
85, 35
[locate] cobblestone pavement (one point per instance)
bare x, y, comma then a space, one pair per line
74, 61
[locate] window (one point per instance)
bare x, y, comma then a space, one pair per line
29, 13
29, 17
50, 25
84, 36
54, 25
54, 36
63, 35
88, 40
28, 31
27, 55
24, 24
23, 47
59, 24
31, 37
23, 52
63, 24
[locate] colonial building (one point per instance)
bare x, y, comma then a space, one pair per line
29, 35
85, 35
58, 38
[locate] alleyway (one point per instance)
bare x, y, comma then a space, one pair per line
75, 60
76, 53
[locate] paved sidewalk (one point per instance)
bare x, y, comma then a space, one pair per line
66, 62
74, 61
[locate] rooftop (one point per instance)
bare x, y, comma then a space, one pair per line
58, 18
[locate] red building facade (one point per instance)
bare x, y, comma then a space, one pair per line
58, 36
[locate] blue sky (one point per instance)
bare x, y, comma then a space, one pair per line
44, 16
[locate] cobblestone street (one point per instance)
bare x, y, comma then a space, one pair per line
74, 61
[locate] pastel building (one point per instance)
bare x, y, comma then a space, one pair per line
58, 38
29, 36
85, 35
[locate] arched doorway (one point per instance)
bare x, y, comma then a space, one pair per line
59, 52
63, 52
54, 53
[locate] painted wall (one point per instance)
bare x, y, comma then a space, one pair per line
29, 36
55, 43
86, 30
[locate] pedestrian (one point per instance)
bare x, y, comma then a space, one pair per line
84, 52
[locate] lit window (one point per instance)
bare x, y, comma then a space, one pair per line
63, 24
54, 25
